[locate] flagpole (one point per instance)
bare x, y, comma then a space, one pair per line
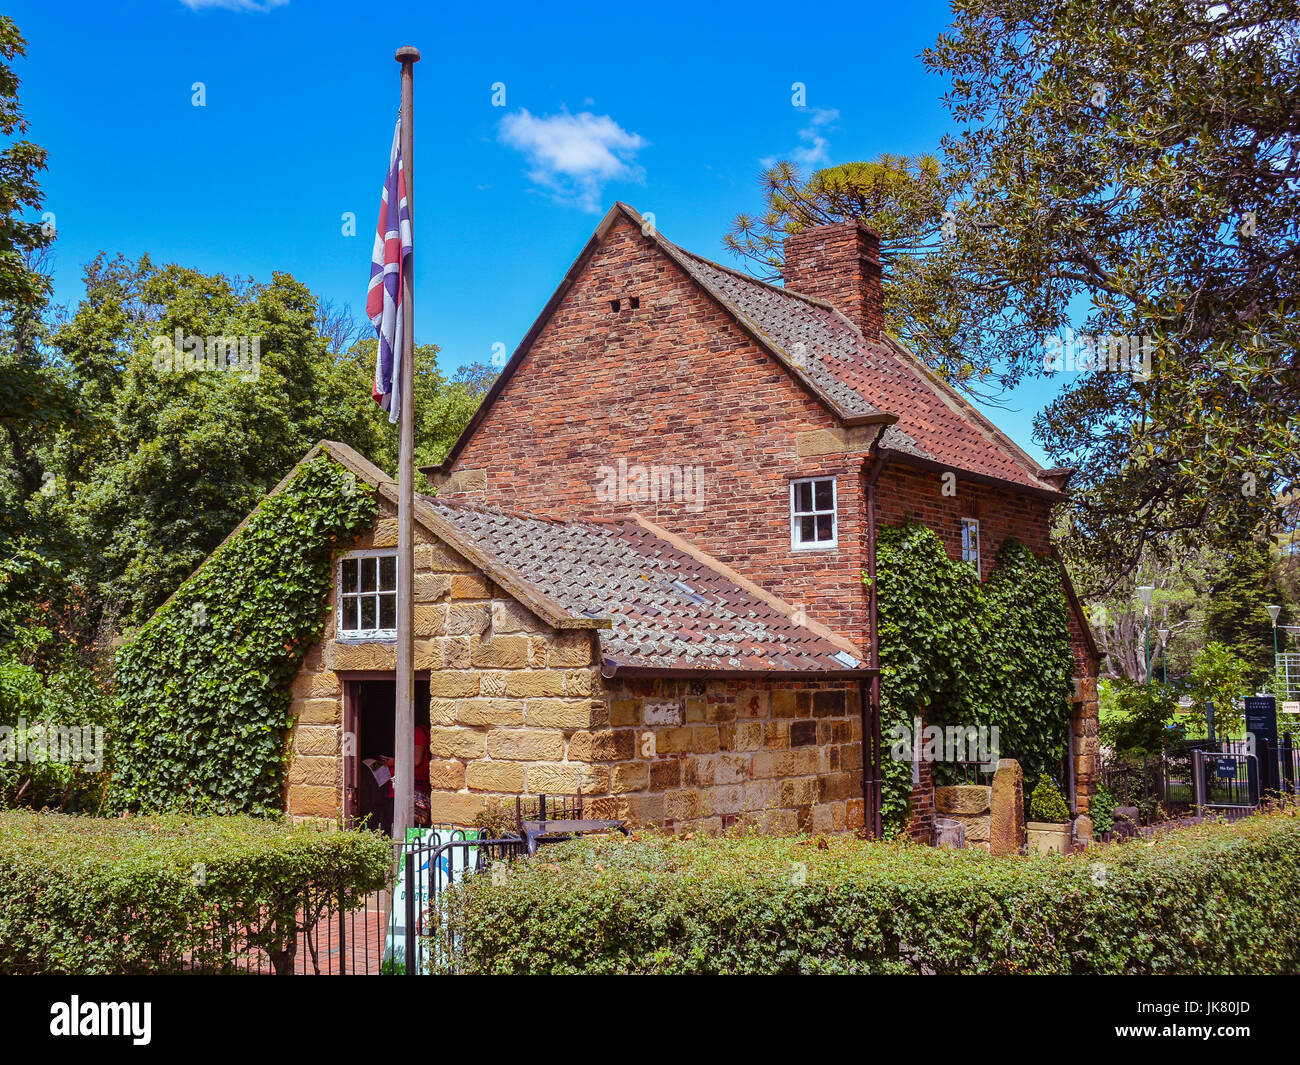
404, 720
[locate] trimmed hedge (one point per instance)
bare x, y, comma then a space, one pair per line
1212, 899
88, 895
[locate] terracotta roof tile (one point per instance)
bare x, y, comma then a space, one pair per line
864, 376
668, 609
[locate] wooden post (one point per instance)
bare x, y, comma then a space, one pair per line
404, 721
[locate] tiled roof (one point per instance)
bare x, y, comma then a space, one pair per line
667, 607
863, 376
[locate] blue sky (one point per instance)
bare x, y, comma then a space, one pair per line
671, 108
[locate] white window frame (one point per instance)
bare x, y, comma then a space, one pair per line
361, 635
966, 554
817, 545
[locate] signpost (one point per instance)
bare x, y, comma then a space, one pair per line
1261, 728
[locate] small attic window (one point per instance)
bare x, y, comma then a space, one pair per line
614, 305
368, 595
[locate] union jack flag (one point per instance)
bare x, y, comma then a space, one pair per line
389, 263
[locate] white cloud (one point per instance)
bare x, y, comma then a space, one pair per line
813, 148
573, 156
260, 6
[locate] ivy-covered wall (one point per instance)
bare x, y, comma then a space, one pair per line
962, 652
203, 691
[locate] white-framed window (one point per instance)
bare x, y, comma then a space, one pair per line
812, 514
970, 542
368, 595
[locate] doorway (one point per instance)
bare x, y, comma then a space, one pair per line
370, 705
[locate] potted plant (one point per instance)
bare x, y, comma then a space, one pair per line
1048, 826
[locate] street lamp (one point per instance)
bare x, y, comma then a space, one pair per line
1273, 612
1145, 591
1163, 633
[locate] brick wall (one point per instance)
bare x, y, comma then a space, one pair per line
905, 493
673, 383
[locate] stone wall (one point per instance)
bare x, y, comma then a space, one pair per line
489, 661
517, 707
705, 754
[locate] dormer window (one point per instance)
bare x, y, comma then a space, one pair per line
368, 595
812, 514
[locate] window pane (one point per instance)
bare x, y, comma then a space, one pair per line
368, 612
388, 573
825, 527
825, 495
348, 614
807, 530
802, 497
388, 611
349, 575
368, 568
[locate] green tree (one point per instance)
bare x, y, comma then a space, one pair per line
172, 456
1142, 156
1137, 161
1220, 677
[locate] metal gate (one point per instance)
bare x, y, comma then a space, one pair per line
1240, 775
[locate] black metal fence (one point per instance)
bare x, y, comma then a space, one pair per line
386, 935
1227, 775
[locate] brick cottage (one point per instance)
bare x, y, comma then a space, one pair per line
642, 574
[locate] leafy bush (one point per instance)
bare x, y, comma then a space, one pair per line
1047, 804
1137, 717
88, 895
755, 904
40, 709
1102, 810
204, 695
1220, 677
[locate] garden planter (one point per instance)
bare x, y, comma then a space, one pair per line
1048, 838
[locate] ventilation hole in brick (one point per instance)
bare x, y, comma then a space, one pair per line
636, 302
615, 304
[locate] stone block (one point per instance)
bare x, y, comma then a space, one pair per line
558, 713
505, 777
489, 712
500, 652
535, 682
630, 776
1007, 808
456, 743
526, 745
967, 799
453, 684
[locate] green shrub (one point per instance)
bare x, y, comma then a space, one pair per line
1102, 810
204, 690
1047, 803
86, 895
753, 904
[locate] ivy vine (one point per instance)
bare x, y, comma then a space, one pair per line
962, 652
203, 708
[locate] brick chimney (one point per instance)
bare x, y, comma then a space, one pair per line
839, 263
